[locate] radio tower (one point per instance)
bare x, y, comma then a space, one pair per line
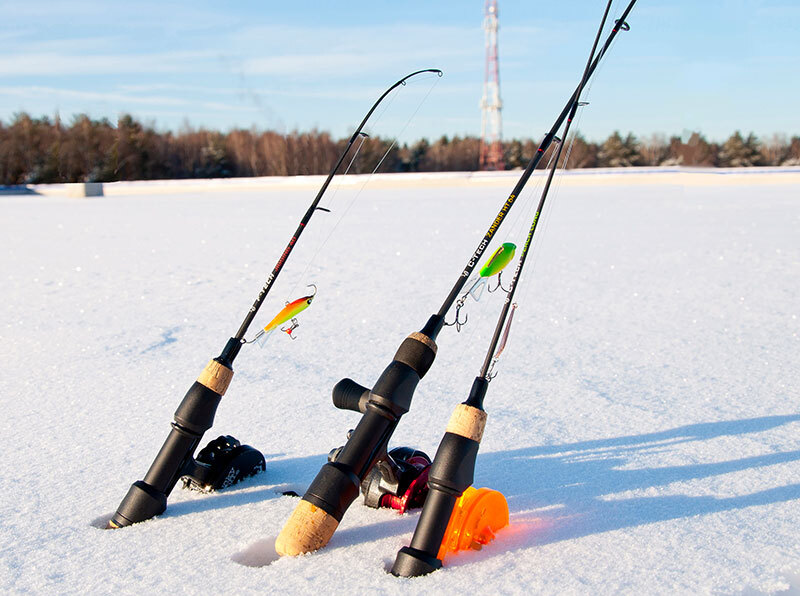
491, 152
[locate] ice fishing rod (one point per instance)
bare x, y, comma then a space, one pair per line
336, 486
195, 414
452, 472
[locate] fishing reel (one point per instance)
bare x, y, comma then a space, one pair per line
398, 480
221, 464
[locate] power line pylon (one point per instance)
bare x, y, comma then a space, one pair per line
491, 152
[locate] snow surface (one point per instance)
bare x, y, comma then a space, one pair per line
644, 424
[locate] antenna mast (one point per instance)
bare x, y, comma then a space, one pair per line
491, 152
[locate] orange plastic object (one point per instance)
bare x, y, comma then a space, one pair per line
478, 514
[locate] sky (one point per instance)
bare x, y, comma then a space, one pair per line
685, 65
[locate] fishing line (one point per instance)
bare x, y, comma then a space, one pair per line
550, 207
347, 207
601, 66
522, 220
519, 222
549, 211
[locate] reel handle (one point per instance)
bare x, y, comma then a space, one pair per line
349, 395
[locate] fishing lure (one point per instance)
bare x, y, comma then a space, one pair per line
493, 266
288, 312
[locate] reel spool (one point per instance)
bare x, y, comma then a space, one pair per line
398, 481
223, 463
477, 516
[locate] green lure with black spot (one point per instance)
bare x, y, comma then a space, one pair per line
499, 259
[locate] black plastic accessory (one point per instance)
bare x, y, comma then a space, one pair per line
223, 463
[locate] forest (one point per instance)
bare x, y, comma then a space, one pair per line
44, 150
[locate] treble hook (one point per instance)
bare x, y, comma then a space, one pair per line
499, 285
457, 321
294, 326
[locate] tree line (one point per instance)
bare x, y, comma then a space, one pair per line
41, 150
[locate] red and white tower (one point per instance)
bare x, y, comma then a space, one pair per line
491, 153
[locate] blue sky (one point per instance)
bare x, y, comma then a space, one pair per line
712, 66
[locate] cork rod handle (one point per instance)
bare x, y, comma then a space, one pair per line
309, 528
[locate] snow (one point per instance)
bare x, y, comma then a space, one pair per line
643, 425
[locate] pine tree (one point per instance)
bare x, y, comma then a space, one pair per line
513, 157
697, 151
739, 152
617, 152
792, 153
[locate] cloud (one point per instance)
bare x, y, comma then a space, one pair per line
59, 64
95, 96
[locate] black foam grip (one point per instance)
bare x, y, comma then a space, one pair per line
416, 354
171, 459
333, 490
196, 411
394, 389
453, 468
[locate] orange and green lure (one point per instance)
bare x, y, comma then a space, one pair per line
290, 311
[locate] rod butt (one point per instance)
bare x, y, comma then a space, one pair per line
308, 529
141, 503
411, 562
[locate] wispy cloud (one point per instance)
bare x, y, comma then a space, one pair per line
116, 98
232, 64
57, 64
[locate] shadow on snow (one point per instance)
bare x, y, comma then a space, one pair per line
555, 492
573, 479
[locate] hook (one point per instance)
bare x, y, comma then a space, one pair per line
499, 285
294, 326
457, 321
315, 290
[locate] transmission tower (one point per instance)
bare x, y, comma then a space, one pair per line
491, 153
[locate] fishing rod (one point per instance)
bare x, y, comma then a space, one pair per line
448, 507
336, 486
225, 457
